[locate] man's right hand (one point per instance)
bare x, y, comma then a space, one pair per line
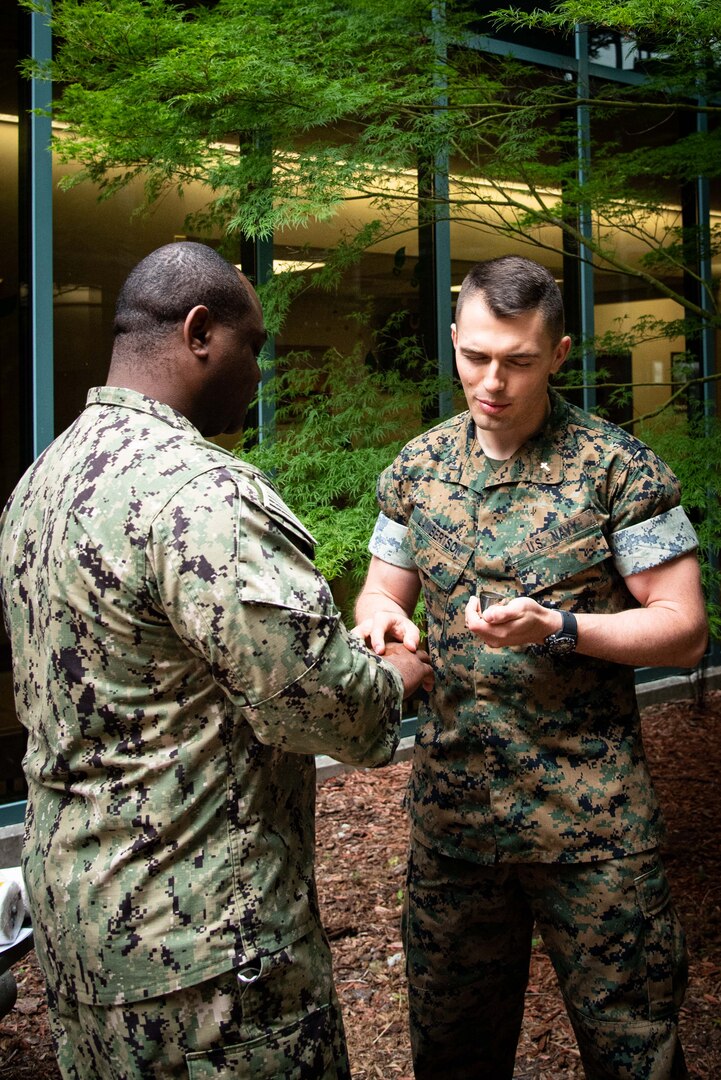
414, 667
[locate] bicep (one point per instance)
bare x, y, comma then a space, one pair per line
676, 582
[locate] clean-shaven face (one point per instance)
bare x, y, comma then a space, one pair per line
504, 365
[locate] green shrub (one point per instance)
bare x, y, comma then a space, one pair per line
338, 425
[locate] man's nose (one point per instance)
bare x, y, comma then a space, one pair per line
493, 376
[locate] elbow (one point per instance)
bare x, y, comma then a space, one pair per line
701, 650
694, 647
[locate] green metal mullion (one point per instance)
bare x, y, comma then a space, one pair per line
543, 58
257, 261
266, 404
442, 249
610, 74
41, 240
708, 334
585, 224
442, 288
519, 52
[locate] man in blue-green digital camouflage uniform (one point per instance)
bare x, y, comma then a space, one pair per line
177, 663
553, 556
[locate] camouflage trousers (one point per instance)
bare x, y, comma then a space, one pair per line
277, 1018
614, 940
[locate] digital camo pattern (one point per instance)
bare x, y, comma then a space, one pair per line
177, 661
284, 1023
610, 930
387, 542
661, 538
519, 756
634, 549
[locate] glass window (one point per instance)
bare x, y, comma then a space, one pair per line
96, 244
12, 738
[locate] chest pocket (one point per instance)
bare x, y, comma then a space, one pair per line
569, 554
441, 560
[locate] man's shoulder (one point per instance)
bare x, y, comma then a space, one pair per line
437, 443
602, 435
208, 465
210, 473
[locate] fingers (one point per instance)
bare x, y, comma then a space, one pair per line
362, 630
474, 619
413, 667
385, 626
519, 621
483, 622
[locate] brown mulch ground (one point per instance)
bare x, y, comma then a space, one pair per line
361, 864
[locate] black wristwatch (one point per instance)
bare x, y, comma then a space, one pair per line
564, 641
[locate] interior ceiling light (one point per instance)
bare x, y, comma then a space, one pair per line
293, 266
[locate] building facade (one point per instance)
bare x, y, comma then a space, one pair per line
64, 255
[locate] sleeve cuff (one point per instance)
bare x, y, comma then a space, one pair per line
652, 542
386, 543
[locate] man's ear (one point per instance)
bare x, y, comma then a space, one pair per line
562, 351
196, 329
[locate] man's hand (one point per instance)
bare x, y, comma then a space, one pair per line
387, 626
413, 667
521, 621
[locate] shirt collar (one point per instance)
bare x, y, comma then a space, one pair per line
131, 399
538, 461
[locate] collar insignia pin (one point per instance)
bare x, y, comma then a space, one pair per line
545, 466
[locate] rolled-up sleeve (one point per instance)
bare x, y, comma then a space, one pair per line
649, 525
650, 543
386, 543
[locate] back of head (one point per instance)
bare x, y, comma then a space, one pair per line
161, 290
511, 286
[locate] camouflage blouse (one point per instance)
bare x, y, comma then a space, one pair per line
177, 663
522, 756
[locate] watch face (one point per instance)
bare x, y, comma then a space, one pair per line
560, 644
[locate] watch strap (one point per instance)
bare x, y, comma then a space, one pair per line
569, 627
562, 641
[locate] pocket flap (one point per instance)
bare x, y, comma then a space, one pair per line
653, 892
560, 552
436, 552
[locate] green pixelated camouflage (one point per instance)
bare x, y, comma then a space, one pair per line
284, 1023
610, 930
177, 662
523, 756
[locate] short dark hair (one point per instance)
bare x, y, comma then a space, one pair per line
167, 284
512, 285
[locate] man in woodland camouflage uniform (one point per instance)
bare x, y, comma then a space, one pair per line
530, 798
178, 661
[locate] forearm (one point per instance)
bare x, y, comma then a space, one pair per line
372, 600
655, 636
668, 627
386, 604
347, 705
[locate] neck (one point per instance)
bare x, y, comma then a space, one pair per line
501, 445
